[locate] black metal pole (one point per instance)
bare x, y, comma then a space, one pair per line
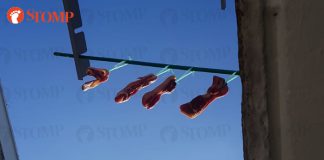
223, 4
150, 64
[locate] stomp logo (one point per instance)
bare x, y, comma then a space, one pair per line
16, 15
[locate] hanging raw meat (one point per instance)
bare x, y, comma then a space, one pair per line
101, 76
133, 87
151, 98
194, 108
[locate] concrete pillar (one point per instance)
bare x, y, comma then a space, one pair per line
281, 52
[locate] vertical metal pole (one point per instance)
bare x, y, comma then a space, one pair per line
223, 4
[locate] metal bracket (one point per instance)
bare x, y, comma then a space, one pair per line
78, 41
79, 47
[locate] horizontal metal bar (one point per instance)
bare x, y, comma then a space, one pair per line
150, 64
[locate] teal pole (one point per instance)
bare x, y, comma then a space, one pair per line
150, 64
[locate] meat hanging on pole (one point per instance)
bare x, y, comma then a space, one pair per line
151, 98
133, 87
196, 106
101, 76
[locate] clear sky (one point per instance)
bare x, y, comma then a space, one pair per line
54, 120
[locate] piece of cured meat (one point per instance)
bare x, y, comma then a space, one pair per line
151, 98
196, 106
101, 76
133, 87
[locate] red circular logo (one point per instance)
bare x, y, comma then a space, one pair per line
15, 15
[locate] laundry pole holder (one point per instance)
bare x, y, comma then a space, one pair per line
82, 62
77, 39
150, 64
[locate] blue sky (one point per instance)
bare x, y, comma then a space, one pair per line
53, 119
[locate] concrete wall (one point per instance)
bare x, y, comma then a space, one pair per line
281, 52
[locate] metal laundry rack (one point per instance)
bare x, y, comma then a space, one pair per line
79, 47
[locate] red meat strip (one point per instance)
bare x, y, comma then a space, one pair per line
101, 76
194, 108
133, 87
151, 98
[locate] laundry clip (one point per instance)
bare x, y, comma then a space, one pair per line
120, 65
186, 74
164, 70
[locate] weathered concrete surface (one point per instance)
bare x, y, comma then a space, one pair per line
252, 70
281, 52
